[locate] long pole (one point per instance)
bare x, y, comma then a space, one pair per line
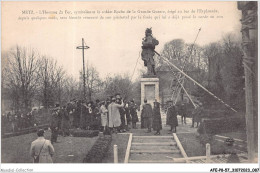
188, 96
84, 77
83, 47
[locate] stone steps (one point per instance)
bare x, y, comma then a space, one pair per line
153, 149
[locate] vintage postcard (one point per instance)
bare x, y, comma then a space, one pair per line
151, 86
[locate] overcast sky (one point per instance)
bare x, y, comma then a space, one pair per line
114, 44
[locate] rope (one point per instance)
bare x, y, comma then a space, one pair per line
169, 63
135, 65
188, 96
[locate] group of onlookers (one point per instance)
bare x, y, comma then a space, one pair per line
113, 114
12, 122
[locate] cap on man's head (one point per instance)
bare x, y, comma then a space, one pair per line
113, 99
118, 96
40, 132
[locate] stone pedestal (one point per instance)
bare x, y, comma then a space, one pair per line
150, 90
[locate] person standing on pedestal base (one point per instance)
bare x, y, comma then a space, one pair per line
147, 113
173, 121
157, 120
133, 114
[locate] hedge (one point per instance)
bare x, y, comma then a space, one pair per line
98, 150
84, 133
222, 125
26, 131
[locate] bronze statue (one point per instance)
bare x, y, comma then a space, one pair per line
149, 43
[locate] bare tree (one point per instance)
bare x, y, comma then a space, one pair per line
93, 82
21, 76
71, 88
119, 84
50, 77
213, 53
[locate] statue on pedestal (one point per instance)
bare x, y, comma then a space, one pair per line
149, 43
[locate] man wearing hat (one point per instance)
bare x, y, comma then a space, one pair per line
114, 114
172, 117
122, 113
157, 120
55, 124
133, 113
147, 114
41, 149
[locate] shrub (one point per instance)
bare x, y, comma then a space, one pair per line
26, 131
98, 150
85, 133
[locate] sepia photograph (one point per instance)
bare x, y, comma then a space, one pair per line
141, 84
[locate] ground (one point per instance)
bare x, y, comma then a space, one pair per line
68, 150
74, 149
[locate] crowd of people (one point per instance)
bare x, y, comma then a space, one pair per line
13, 122
112, 115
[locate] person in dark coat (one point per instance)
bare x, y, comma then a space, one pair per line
172, 115
122, 115
196, 115
96, 119
133, 114
166, 110
183, 112
59, 118
83, 116
65, 123
157, 120
76, 115
54, 125
147, 113
90, 115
